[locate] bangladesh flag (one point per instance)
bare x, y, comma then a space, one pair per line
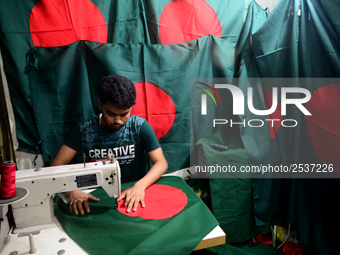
64, 87
174, 221
174, 22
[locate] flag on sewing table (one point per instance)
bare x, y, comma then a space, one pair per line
181, 222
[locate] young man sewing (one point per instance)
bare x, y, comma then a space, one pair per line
115, 130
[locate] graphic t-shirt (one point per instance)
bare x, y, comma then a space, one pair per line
129, 144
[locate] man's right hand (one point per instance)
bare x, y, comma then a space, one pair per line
78, 200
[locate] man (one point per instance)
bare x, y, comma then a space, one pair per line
115, 131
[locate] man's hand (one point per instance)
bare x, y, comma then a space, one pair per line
133, 197
136, 194
78, 200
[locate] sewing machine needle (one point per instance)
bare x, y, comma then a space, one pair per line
84, 157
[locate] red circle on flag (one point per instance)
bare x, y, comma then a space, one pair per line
186, 20
323, 126
161, 202
156, 106
56, 23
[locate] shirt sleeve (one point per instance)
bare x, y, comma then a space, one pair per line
148, 138
74, 139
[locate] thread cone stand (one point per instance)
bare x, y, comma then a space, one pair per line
20, 193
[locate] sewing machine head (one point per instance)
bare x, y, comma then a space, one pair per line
37, 208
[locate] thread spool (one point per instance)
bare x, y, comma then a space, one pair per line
7, 187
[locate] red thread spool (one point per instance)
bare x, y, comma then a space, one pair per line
7, 188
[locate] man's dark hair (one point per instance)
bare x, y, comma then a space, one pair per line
117, 90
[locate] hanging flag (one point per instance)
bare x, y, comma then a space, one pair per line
287, 45
178, 21
260, 143
65, 91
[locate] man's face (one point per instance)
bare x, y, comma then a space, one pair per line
113, 118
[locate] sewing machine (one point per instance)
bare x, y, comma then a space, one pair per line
36, 210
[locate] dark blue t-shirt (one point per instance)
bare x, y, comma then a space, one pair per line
129, 144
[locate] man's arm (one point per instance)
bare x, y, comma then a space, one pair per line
64, 156
77, 198
135, 195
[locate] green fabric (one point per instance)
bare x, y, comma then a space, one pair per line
319, 39
261, 149
284, 47
15, 41
107, 231
231, 194
268, 47
232, 205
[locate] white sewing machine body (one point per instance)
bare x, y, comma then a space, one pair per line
37, 210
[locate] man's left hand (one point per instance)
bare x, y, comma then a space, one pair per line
133, 197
